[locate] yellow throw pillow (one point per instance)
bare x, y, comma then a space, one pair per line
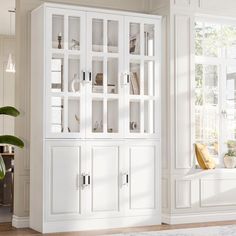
205, 160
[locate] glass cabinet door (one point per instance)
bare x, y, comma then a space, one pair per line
143, 69
65, 72
104, 60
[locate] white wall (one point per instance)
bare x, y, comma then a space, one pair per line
189, 195
7, 83
22, 129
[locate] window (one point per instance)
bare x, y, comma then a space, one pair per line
215, 86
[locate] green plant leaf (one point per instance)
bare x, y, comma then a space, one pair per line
2, 168
12, 140
10, 111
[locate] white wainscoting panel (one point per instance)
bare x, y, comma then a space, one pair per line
182, 3
217, 192
182, 91
182, 194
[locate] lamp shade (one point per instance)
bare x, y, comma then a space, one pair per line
10, 65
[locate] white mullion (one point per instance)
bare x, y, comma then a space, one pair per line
222, 106
141, 115
105, 35
65, 115
151, 116
104, 94
142, 39
105, 115
66, 32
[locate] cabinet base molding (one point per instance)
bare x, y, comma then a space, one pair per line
99, 224
188, 218
20, 222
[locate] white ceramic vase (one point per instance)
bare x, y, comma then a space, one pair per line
230, 161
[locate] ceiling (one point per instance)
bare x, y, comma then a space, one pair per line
6, 5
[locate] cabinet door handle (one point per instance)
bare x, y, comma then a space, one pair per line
84, 76
128, 78
125, 179
90, 76
88, 179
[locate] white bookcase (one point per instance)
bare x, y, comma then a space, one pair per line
95, 123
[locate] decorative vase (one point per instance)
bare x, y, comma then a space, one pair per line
230, 161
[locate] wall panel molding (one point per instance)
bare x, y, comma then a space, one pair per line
217, 192
183, 194
182, 61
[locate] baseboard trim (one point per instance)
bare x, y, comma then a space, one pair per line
99, 224
20, 222
188, 218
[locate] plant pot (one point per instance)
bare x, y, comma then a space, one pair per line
230, 161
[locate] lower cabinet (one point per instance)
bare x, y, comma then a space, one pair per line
102, 183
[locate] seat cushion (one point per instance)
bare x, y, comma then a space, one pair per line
205, 160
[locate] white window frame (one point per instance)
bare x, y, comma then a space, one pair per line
222, 62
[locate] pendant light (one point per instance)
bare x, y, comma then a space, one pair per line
10, 65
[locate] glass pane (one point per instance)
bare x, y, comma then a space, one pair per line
57, 73
135, 78
112, 116
212, 40
149, 40
74, 74
97, 75
231, 107
134, 114
149, 82
199, 35
97, 35
112, 75
74, 33
211, 84
57, 31
134, 38
97, 116
206, 106
57, 107
149, 117
112, 36
229, 37
73, 115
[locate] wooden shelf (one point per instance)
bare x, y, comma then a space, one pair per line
7, 154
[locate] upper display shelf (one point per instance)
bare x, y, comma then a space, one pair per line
58, 32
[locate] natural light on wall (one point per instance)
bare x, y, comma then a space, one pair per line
215, 86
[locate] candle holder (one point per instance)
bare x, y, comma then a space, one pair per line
59, 41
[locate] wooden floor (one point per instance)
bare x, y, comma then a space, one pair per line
7, 230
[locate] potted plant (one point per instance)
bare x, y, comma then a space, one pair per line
8, 139
230, 159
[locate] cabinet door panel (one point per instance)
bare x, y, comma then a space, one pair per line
64, 195
105, 173
64, 172
142, 63
143, 167
65, 68
105, 168
142, 175
104, 94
